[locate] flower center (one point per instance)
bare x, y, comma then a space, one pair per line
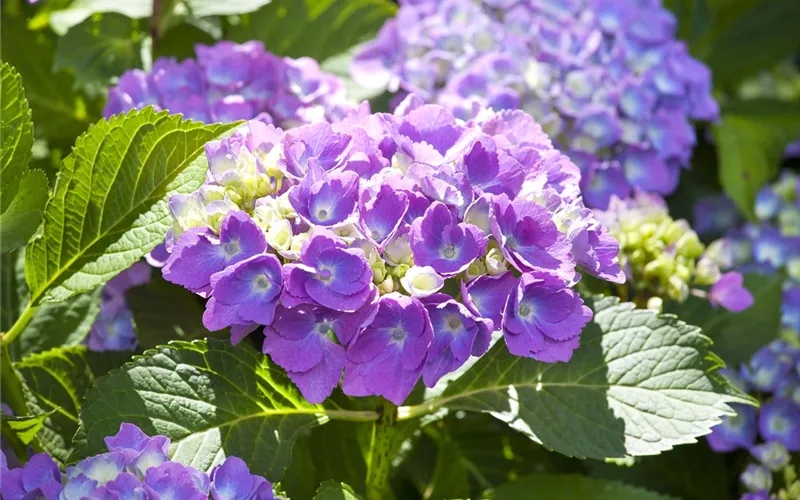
449, 252
524, 310
779, 425
398, 334
325, 274
231, 248
262, 282
454, 323
322, 214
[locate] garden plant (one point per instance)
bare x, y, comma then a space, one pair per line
410, 250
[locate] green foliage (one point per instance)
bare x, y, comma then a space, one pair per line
568, 487
26, 427
639, 384
60, 112
210, 398
313, 28
109, 207
24, 190
751, 139
56, 381
164, 312
99, 49
332, 490
737, 336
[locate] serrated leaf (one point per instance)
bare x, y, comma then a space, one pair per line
313, 28
639, 384
163, 312
109, 207
751, 139
16, 129
21, 219
334, 490
569, 487
210, 398
737, 336
99, 49
60, 112
58, 380
25, 428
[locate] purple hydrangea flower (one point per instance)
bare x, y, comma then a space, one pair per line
730, 293
779, 420
387, 357
113, 328
772, 454
735, 431
232, 480
606, 79
38, 478
543, 318
324, 199
770, 366
486, 296
438, 240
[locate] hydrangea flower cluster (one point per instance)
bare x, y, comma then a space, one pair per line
606, 79
136, 467
773, 244
113, 328
664, 258
230, 82
773, 375
390, 246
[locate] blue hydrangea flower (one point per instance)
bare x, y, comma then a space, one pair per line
113, 328
607, 79
735, 431
779, 420
336, 239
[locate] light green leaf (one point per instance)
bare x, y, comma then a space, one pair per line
21, 219
109, 206
16, 129
639, 384
56, 382
751, 139
60, 112
737, 336
211, 399
163, 312
99, 49
333, 490
26, 427
569, 487
313, 28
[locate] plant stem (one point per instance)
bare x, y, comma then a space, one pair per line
18, 326
379, 461
10, 384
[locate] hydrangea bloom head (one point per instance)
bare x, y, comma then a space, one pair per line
607, 79
113, 328
136, 466
339, 239
663, 257
229, 82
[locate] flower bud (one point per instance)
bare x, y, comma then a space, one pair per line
655, 304
279, 235
387, 285
661, 268
398, 251
477, 268
689, 245
495, 262
677, 289
707, 272
422, 281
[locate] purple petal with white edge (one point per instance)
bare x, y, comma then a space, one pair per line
493, 171
380, 216
543, 318
730, 293
486, 296
318, 142
438, 240
325, 199
125, 487
231, 480
172, 480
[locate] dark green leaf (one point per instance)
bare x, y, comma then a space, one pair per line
333, 490
16, 129
99, 49
58, 380
26, 427
737, 336
450, 476
210, 398
751, 139
569, 487
164, 312
21, 219
109, 206
313, 28
61, 113
639, 384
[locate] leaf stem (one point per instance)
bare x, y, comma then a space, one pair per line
379, 461
18, 326
10, 384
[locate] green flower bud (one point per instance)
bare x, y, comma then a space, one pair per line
684, 269
495, 262
689, 245
400, 271
793, 268
707, 272
477, 268
675, 230
677, 289
789, 221
661, 268
655, 304
387, 285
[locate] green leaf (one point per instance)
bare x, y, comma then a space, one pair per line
16, 129
26, 427
313, 28
737, 336
164, 312
751, 139
99, 49
57, 381
210, 398
450, 476
60, 112
21, 219
109, 207
333, 490
639, 384
568, 487
749, 36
